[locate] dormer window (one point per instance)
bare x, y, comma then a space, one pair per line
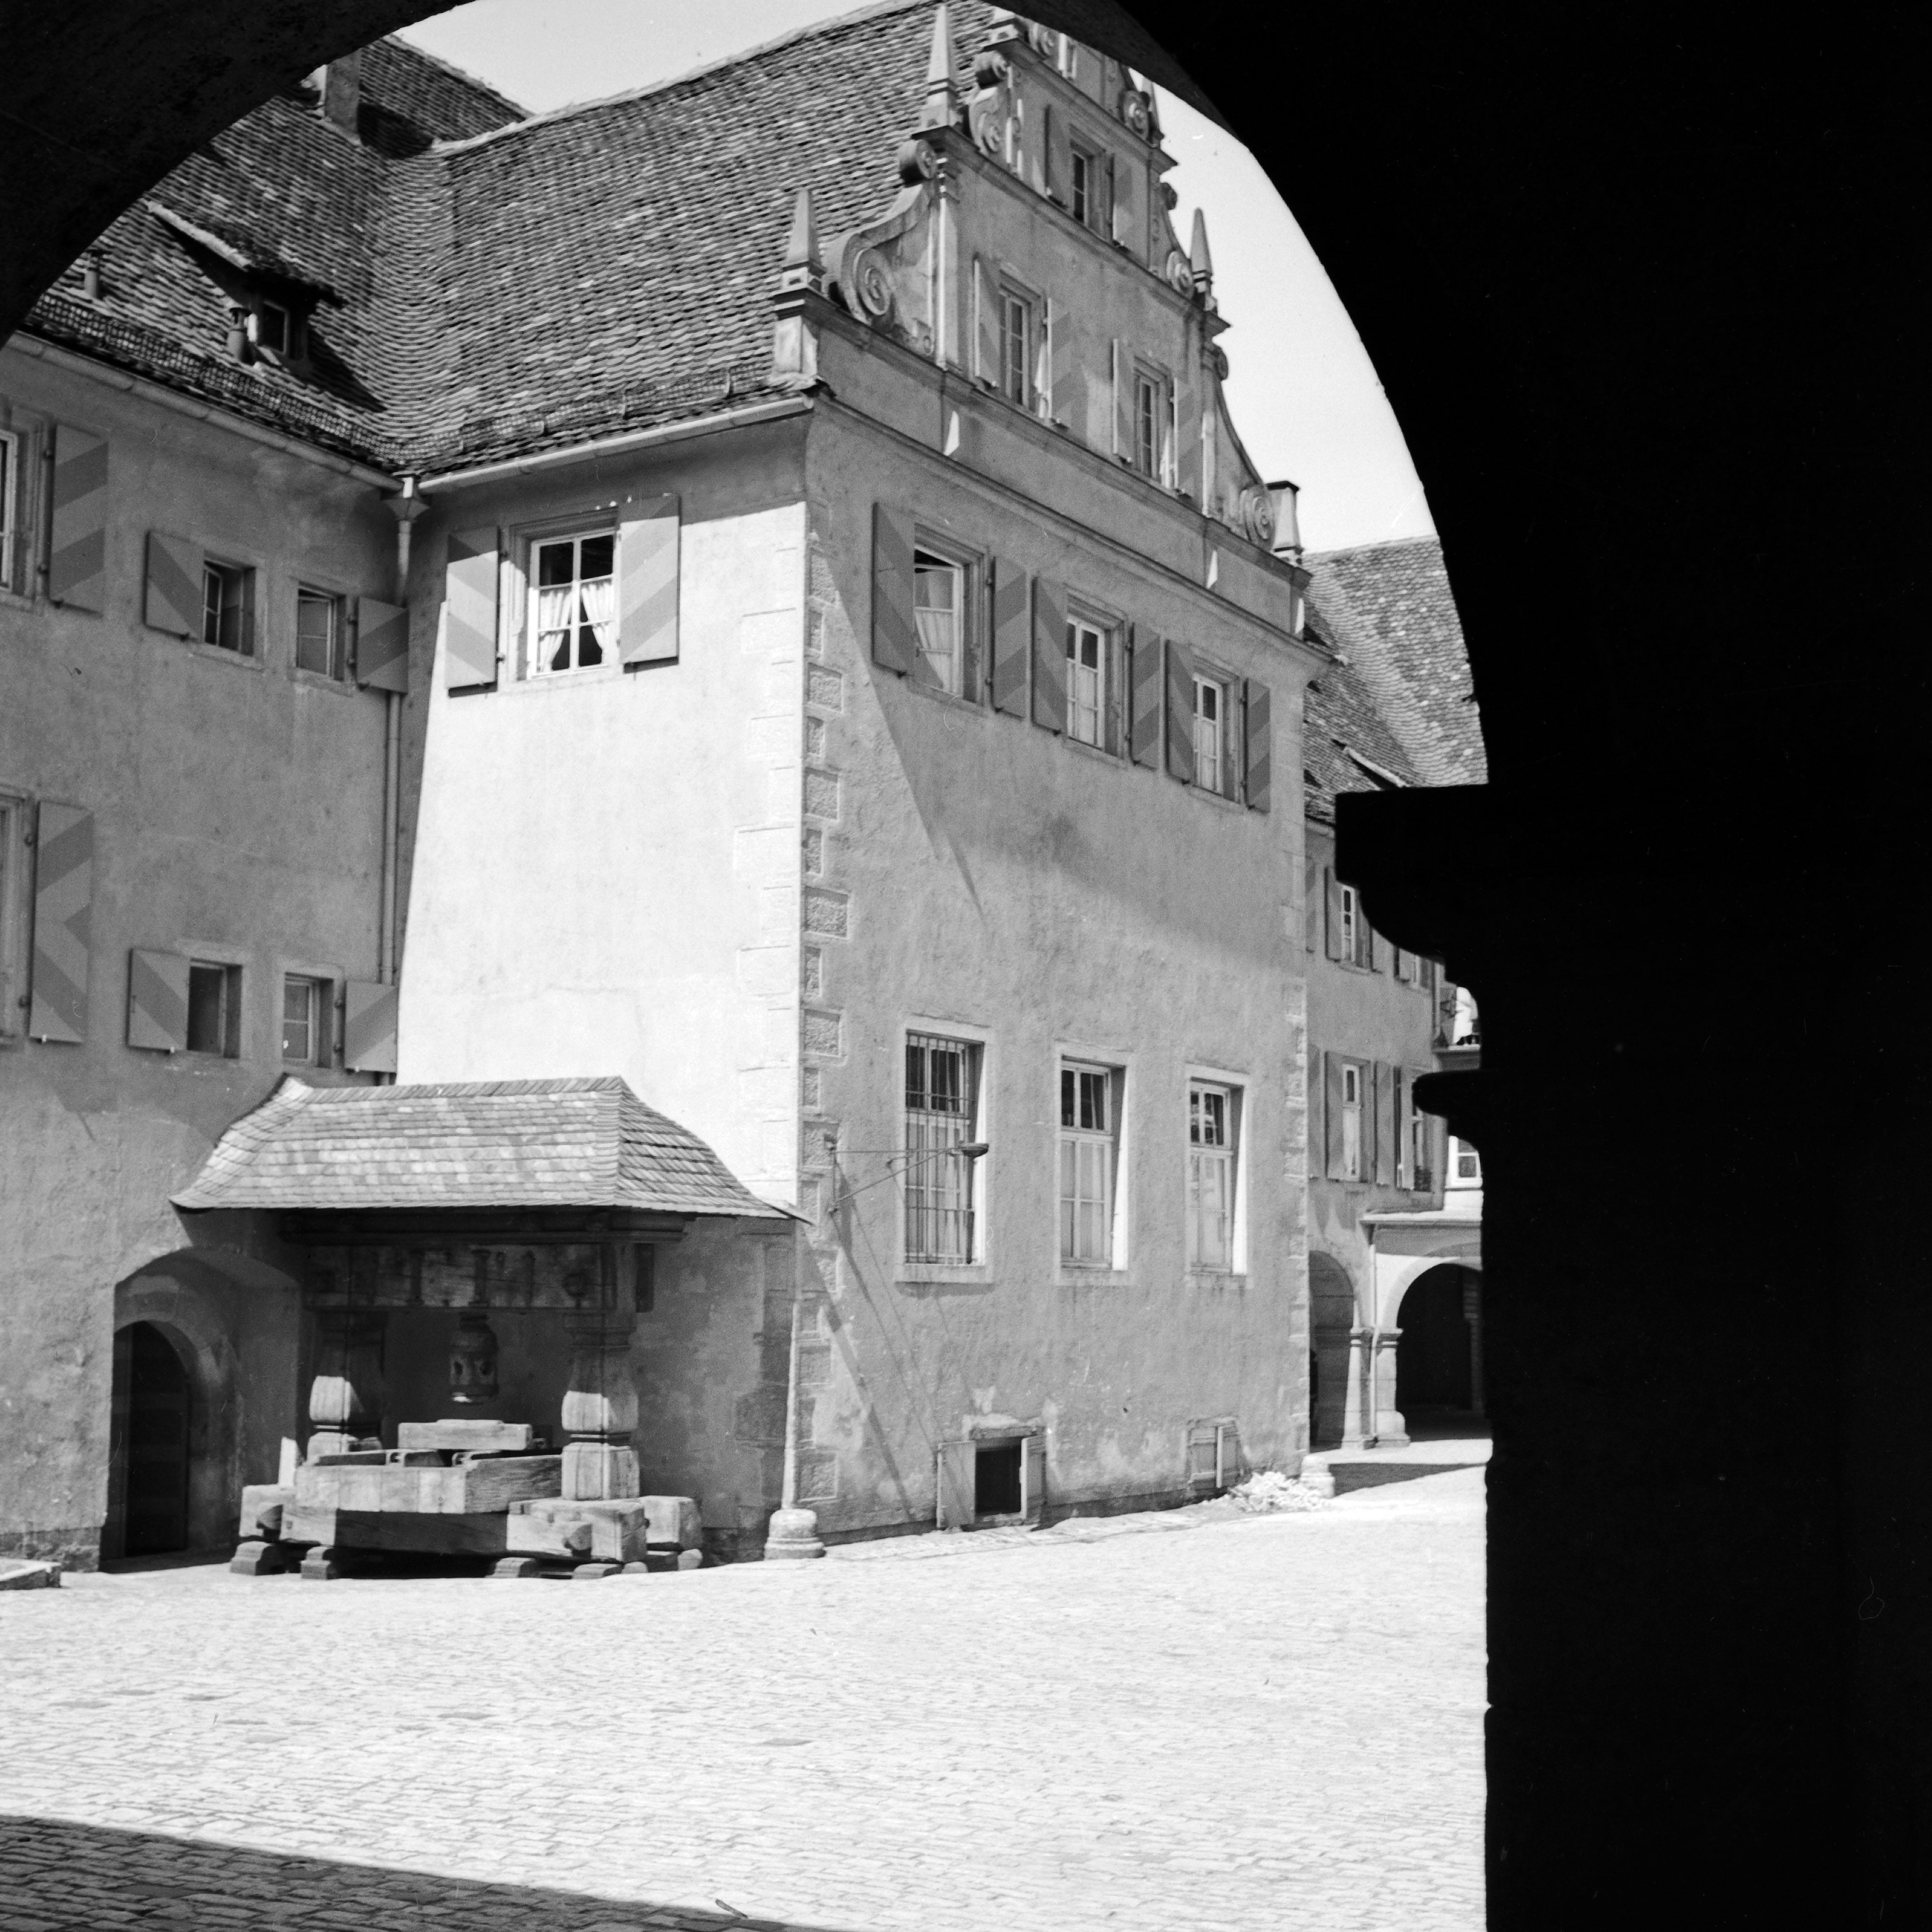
272, 327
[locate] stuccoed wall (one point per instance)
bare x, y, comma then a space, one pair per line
605, 868
982, 876
237, 812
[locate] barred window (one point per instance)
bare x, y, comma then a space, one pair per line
942, 1100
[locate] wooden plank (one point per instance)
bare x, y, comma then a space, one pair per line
462, 1432
495, 1485
402, 1531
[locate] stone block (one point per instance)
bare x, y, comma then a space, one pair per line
262, 1507
18, 1573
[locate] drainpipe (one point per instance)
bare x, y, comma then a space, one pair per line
407, 505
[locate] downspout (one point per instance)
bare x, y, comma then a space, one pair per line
406, 505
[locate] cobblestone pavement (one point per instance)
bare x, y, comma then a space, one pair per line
1250, 1722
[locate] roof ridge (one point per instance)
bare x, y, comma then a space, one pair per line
1378, 543
877, 10
449, 66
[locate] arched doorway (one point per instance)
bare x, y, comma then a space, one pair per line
153, 1428
1439, 1370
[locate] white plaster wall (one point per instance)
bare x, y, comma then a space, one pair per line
606, 872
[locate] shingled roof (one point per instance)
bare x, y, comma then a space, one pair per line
1387, 608
584, 1143
1340, 725
498, 284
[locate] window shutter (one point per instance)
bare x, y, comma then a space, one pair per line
157, 1000
1260, 743
1012, 637
1145, 714
958, 1474
1124, 401
1049, 654
368, 1027
895, 630
1187, 430
171, 596
1203, 1456
63, 922
1332, 923
1386, 1127
1234, 737
1106, 183
382, 645
470, 635
77, 568
1059, 170
647, 545
1033, 1475
986, 303
1229, 1469
1121, 185
1312, 1128
1060, 390
1311, 904
1116, 720
1331, 1094
1180, 711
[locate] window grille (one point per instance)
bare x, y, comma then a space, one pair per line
1211, 1176
942, 1081
576, 602
1086, 1143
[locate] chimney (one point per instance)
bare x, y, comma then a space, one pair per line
340, 82
1287, 530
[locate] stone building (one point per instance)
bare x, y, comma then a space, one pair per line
738, 607
1395, 1201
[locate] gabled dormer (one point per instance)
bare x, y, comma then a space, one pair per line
1031, 250
268, 305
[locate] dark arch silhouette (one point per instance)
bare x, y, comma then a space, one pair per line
1635, 286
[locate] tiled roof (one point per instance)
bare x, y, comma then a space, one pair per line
1339, 717
515, 286
1387, 608
586, 1143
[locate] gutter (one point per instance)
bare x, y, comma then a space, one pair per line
207, 412
616, 445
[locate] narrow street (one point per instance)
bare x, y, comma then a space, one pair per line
1198, 1720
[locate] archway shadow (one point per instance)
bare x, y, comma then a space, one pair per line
79, 1877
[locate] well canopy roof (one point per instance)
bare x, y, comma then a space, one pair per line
582, 1143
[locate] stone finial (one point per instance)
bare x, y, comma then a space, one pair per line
1198, 258
804, 267
942, 96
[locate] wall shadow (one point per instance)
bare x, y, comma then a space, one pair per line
81, 1877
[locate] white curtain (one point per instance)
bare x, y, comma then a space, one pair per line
600, 609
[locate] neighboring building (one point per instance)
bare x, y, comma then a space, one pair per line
843, 656
1395, 1232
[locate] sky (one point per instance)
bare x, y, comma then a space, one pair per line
1302, 390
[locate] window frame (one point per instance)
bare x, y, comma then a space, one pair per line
969, 629
1230, 1155
1013, 298
1110, 1255
12, 444
960, 1128
339, 607
1358, 935
245, 577
1355, 1073
228, 1009
321, 1016
586, 527
1208, 678
1082, 617
1082, 171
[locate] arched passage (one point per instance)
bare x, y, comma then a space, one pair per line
1438, 1362
154, 1417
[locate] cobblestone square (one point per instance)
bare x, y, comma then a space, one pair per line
1198, 1720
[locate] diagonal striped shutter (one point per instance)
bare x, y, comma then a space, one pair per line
1311, 904
1180, 711
1258, 745
382, 645
171, 595
647, 570
1059, 170
1058, 405
986, 315
1012, 637
1331, 894
1125, 229
1146, 681
63, 922
895, 628
77, 569
157, 1000
470, 634
368, 1027
1124, 401
1333, 1110
1049, 654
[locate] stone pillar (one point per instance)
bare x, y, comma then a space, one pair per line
345, 1400
1391, 1432
1358, 1405
600, 1410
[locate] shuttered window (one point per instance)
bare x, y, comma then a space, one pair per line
158, 990
941, 1103
382, 645
1089, 681
1257, 746
469, 610
1088, 1141
1144, 715
1211, 704
227, 607
1012, 636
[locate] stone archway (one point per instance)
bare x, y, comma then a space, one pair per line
1438, 1349
231, 1325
